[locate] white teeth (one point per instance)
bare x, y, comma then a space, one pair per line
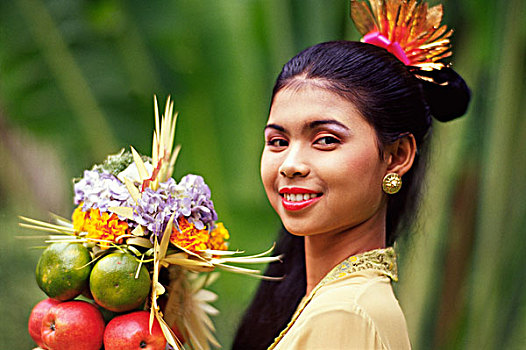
291, 197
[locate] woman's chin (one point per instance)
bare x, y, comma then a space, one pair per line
297, 230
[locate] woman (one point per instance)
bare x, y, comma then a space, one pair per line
347, 121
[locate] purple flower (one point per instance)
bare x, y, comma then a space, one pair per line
189, 198
201, 207
153, 210
100, 190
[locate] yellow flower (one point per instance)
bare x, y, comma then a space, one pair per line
99, 226
188, 237
79, 219
218, 237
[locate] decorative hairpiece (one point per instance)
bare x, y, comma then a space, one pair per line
407, 28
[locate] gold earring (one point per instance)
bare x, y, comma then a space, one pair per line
391, 183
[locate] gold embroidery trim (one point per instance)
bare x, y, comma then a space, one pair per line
381, 260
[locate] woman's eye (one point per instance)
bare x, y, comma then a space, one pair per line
327, 140
277, 142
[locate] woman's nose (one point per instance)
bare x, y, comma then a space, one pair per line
294, 164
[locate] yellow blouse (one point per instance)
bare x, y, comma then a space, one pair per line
353, 307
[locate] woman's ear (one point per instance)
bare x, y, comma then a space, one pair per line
400, 155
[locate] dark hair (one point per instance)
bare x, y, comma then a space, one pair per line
275, 301
395, 103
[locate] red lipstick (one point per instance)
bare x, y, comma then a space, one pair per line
295, 190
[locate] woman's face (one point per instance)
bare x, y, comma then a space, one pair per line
320, 166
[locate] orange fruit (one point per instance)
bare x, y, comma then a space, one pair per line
113, 283
63, 270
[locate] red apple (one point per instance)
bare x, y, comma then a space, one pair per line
73, 325
37, 315
131, 332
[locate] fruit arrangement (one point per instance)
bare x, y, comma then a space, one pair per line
130, 270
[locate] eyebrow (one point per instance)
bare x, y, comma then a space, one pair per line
317, 123
275, 126
311, 125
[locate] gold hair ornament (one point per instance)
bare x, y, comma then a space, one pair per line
409, 29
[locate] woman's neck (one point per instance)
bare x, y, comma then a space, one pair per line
324, 251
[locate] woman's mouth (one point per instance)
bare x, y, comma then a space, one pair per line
291, 197
294, 198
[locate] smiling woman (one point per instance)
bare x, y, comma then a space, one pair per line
347, 122
325, 147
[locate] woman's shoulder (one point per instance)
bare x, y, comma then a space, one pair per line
361, 305
368, 290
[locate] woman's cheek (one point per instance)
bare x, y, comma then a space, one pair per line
269, 170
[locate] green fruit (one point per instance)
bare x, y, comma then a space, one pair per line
63, 270
113, 283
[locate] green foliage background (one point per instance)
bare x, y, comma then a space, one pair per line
76, 83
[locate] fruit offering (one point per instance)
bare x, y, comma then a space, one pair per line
139, 252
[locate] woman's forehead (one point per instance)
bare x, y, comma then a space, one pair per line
300, 103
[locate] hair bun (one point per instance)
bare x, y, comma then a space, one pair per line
447, 94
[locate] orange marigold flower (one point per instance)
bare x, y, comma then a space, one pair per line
99, 226
79, 219
218, 237
188, 237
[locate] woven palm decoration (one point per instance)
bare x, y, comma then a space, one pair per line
409, 29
